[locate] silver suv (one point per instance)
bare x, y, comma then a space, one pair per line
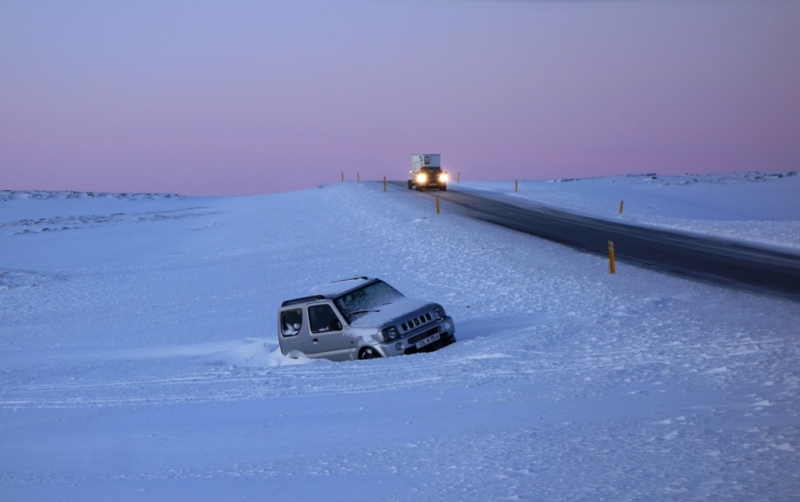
361, 318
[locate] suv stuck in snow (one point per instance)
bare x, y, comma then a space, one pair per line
361, 318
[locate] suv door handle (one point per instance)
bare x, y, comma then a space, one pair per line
315, 340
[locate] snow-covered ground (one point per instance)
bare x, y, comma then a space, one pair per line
138, 352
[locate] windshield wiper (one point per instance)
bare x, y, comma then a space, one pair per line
361, 311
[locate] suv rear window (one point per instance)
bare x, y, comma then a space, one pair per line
291, 322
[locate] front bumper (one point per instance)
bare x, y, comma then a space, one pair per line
446, 329
429, 184
444, 340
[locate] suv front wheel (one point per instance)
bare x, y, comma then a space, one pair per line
369, 353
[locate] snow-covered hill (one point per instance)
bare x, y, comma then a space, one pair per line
138, 354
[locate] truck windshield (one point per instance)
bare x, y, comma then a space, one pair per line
368, 298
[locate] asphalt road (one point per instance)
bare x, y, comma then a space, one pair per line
711, 259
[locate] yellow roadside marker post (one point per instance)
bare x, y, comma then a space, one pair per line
621, 203
611, 265
437, 205
384, 183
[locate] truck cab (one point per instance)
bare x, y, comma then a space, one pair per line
426, 172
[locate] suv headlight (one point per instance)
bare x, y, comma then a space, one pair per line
439, 311
390, 333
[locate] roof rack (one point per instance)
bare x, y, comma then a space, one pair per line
350, 279
302, 300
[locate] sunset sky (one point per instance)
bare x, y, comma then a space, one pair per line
227, 98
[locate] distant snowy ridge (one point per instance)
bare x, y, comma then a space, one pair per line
36, 211
60, 223
10, 279
689, 179
7, 195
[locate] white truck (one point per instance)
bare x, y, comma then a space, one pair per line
426, 172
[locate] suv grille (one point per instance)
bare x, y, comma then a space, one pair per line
416, 322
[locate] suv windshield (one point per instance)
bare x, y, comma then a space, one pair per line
366, 299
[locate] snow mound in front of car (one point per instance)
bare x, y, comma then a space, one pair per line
257, 353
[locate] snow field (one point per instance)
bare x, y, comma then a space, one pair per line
138, 361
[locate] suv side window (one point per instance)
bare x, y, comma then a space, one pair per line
322, 319
291, 322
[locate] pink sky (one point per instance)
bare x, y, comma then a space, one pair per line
220, 98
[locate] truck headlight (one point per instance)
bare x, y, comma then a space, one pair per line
422, 178
444, 178
390, 333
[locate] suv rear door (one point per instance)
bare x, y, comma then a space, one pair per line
293, 329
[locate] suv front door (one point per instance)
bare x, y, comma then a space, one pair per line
327, 333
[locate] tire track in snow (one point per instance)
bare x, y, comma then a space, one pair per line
444, 369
